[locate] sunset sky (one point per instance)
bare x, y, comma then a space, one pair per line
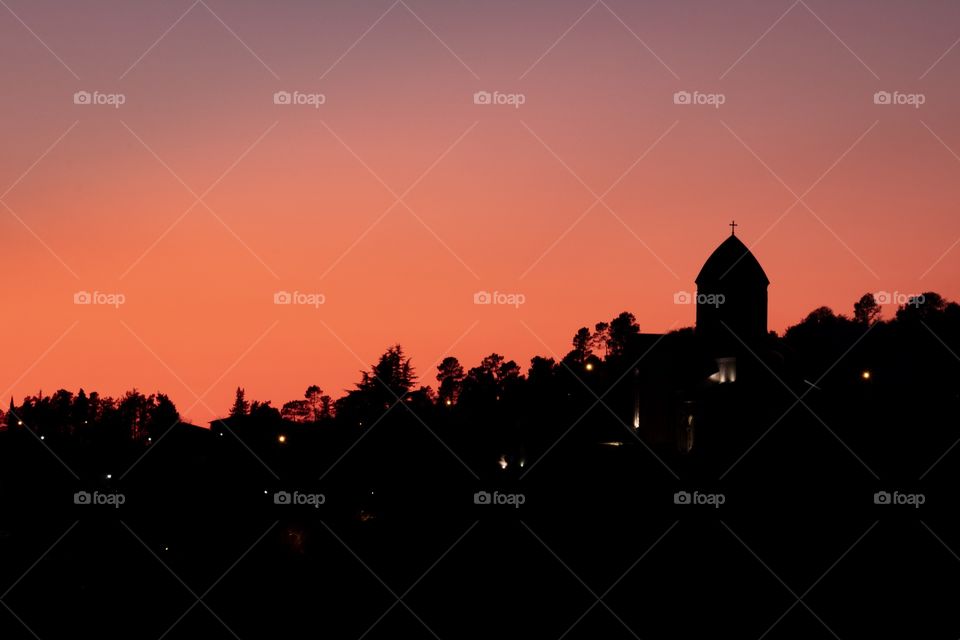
399, 198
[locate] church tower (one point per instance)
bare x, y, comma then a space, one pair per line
731, 300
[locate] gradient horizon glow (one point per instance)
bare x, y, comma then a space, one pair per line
835, 194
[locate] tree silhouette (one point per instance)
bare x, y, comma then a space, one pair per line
450, 376
240, 405
866, 310
314, 396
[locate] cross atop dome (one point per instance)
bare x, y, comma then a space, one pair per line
733, 227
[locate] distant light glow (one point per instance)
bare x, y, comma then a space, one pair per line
865, 375
503, 462
281, 438
589, 366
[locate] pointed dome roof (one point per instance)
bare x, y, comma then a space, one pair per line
732, 262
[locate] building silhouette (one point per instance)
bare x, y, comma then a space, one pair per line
690, 383
731, 304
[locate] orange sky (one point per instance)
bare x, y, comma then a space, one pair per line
297, 198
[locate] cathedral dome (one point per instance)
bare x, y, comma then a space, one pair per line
733, 263
731, 297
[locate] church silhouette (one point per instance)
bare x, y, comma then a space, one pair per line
686, 385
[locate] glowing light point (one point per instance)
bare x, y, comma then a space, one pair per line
281, 438
589, 366
865, 375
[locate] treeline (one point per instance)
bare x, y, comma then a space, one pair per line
915, 347
134, 416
